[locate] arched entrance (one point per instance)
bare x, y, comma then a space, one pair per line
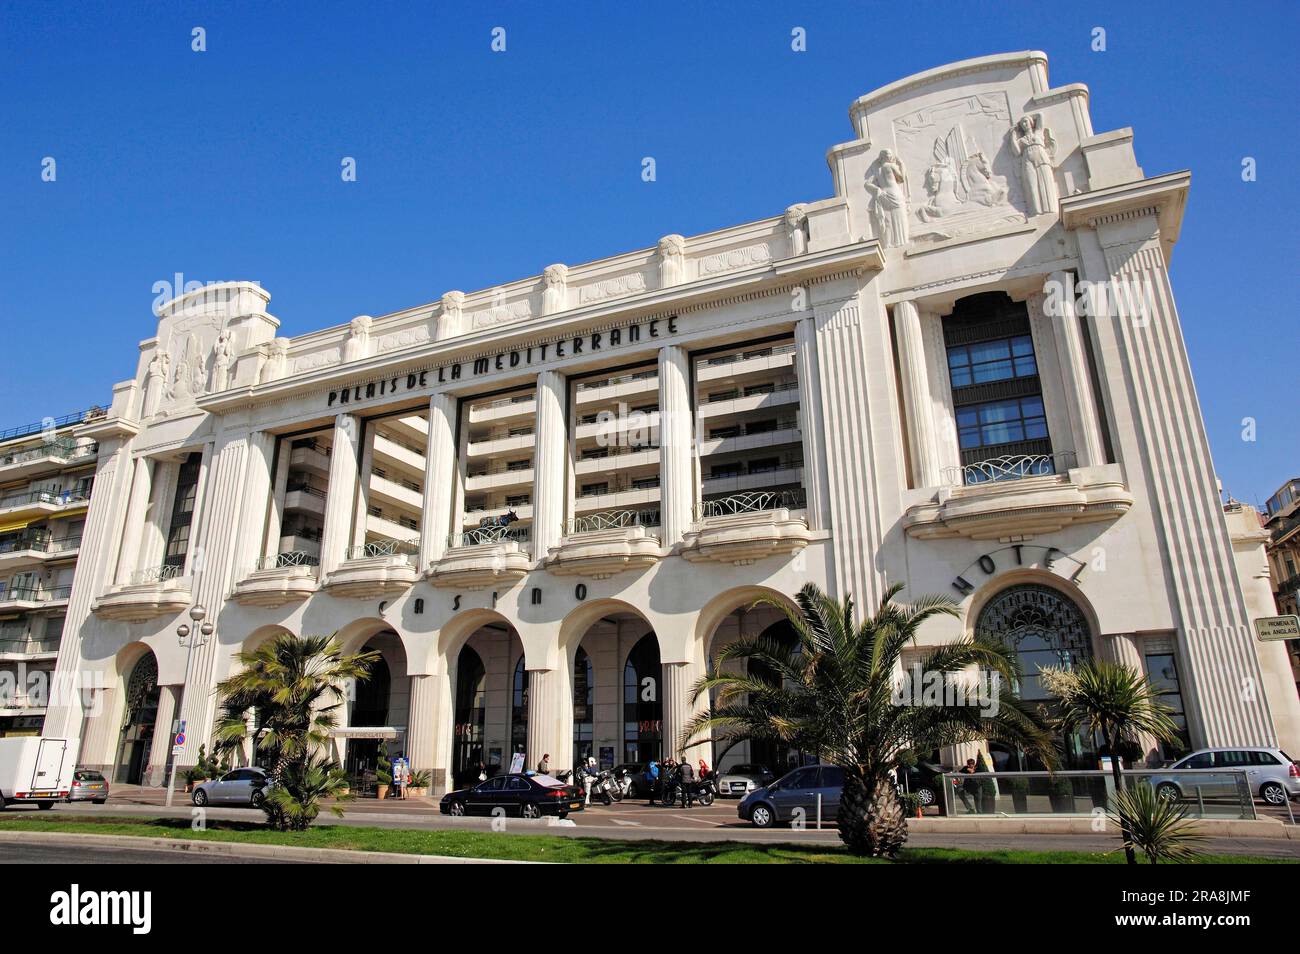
1045, 629
519, 708
470, 717
584, 710
643, 708
139, 721
378, 708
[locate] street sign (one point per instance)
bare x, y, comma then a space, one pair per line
1269, 628
180, 738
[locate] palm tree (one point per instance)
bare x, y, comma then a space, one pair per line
294, 686
1158, 827
1116, 702
836, 691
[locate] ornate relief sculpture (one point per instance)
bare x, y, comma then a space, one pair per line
189, 379
223, 355
796, 220
277, 361
672, 260
155, 385
888, 187
358, 342
959, 178
1033, 143
554, 285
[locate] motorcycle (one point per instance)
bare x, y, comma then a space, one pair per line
703, 792
607, 788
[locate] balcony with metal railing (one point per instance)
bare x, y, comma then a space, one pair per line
606, 542
39, 503
29, 548
32, 597
279, 578
149, 593
742, 528
21, 647
22, 463
493, 553
1017, 495
377, 568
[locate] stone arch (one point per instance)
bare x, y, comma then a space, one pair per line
261, 635
136, 713
1004, 581
456, 632
724, 604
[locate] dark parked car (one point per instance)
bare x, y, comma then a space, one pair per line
924, 779
795, 795
527, 795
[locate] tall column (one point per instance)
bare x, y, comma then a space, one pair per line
676, 470
363, 489
1080, 402
252, 532
443, 726
75, 709
812, 425
161, 747
544, 719
137, 511
1168, 451
550, 464
679, 710
422, 723
279, 488
342, 493
440, 478
153, 535
917, 404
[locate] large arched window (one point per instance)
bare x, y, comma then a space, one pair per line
138, 723
471, 714
643, 709
519, 708
583, 708
1046, 629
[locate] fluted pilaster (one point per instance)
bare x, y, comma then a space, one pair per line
550, 465
543, 719
341, 497
917, 404
1080, 402
440, 476
676, 470
812, 425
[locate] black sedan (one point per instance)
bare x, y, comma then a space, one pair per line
528, 795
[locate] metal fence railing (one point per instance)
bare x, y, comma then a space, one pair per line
755, 502
410, 549
278, 561
1223, 794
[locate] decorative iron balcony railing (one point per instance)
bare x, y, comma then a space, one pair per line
499, 533
278, 561
158, 574
1012, 467
755, 502
611, 520
382, 548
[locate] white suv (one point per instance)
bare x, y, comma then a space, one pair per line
1272, 774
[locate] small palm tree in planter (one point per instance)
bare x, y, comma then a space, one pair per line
1113, 701
295, 685
419, 784
383, 773
834, 692
1157, 827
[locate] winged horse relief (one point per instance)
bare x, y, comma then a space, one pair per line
957, 179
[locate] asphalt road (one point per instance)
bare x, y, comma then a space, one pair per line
639, 821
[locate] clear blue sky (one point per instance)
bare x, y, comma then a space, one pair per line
476, 167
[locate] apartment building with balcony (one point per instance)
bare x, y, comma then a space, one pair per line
549, 504
1282, 523
46, 473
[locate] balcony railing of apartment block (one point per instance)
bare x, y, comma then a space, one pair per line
756, 502
27, 647
157, 574
746, 355
65, 449
54, 423
1007, 467
736, 394
278, 561
617, 379
490, 533
408, 549
35, 594
611, 520
40, 544
63, 497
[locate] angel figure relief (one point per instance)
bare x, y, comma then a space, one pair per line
1036, 148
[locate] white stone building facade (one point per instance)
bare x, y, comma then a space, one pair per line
549, 503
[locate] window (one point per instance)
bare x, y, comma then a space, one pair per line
832, 777
754, 389
1001, 422
516, 785
1203, 761
591, 490
991, 361
1163, 676
1232, 758
178, 534
519, 500
519, 464
1263, 758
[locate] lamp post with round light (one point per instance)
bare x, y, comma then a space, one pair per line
188, 639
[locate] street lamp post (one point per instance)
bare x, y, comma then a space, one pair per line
188, 641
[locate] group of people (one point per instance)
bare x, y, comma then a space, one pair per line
682, 774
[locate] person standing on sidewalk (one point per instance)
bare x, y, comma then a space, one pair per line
686, 781
544, 766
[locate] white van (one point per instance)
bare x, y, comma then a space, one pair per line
36, 769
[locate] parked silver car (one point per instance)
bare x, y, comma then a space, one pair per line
739, 780
88, 786
243, 786
1272, 774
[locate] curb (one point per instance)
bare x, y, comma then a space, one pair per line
1215, 828
235, 850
